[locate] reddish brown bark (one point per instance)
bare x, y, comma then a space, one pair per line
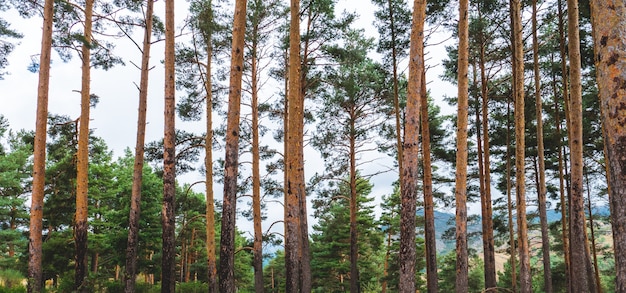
231, 158
35, 270
609, 44
82, 166
520, 184
460, 190
410, 153
135, 198
168, 220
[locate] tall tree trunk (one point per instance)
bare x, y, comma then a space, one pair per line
510, 199
168, 219
577, 222
488, 242
355, 286
135, 198
208, 160
231, 158
460, 191
35, 253
609, 44
293, 252
520, 188
257, 262
429, 206
82, 168
541, 190
411, 151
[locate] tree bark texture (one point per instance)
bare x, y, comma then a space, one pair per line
610, 57
460, 190
410, 153
520, 184
355, 286
35, 253
580, 282
135, 200
82, 168
231, 159
293, 251
168, 219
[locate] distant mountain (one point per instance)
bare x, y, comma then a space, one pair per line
445, 225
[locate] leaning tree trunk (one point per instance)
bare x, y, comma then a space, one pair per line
541, 192
82, 166
231, 158
411, 151
609, 47
35, 252
461, 154
168, 220
135, 198
520, 189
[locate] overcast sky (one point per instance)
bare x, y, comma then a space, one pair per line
115, 117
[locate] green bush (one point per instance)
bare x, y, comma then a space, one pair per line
9, 279
192, 287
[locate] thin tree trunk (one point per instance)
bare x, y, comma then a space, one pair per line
564, 205
135, 198
461, 154
596, 271
577, 223
429, 211
490, 262
35, 253
520, 184
510, 199
410, 154
82, 166
541, 190
257, 262
293, 252
231, 158
386, 264
168, 219
396, 96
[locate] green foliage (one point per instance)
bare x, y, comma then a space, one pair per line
330, 245
447, 273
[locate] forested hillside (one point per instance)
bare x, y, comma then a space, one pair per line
312, 146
